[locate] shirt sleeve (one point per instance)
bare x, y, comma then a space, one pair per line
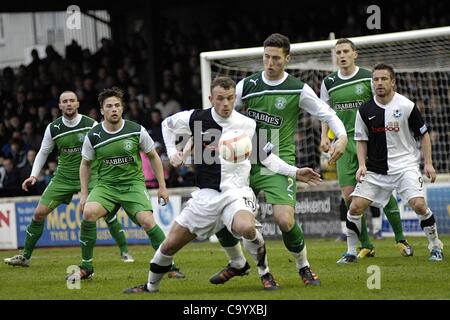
177, 124
146, 142
47, 147
324, 96
87, 152
416, 123
361, 131
238, 104
310, 102
277, 165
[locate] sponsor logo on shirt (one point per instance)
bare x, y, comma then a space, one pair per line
265, 117
391, 126
71, 150
348, 105
117, 161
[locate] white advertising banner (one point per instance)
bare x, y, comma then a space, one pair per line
8, 229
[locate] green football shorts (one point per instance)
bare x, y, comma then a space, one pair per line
347, 165
133, 198
278, 189
57, 193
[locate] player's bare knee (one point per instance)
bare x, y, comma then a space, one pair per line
89, 214
146, 220
249, 232
40, 215
418, 205
285, 223
166, 248
357, 208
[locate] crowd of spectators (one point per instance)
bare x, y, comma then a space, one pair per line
29, 93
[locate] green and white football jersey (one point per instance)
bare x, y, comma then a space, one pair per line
118, 153
68, 142
275, 106
346, 94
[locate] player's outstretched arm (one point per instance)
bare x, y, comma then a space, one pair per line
338, 149
324, 140
157, 167
85, 174
361, 151
428, 168
277, 165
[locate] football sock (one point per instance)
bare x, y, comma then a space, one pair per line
428, 225
393, 215
88, 237
117, 232
344, 227
301, 258
159, 265
363, 235
156, 236
257, 249
295, 243
354, 224
235, 256
343, 215
33, 233
294, 239
226, 239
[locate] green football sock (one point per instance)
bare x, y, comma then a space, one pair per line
226, 239
33, 234
88, 237
294, 239
364, 235
117, 232
156, 236
393, 215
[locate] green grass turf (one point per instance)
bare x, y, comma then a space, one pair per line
401, 278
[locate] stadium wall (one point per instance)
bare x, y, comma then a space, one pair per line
317, 209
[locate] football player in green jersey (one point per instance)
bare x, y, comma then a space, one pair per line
345, 91
67, 135
115, 144
274, 99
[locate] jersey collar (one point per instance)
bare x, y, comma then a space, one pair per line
113, 132
72, 123
341, 76
273, 82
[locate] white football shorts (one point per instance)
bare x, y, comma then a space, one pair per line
209, 210
378, 187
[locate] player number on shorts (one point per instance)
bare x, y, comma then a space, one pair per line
421, 182
250, 203
289, 187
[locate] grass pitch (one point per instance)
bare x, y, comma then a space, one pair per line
401, 278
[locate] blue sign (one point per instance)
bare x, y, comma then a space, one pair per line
62, 226
438, 199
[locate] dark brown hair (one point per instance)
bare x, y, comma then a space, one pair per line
110, 92
224, 82
277, 40
345, 40
384, 66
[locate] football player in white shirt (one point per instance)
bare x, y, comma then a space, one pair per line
389, 159
224, 197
